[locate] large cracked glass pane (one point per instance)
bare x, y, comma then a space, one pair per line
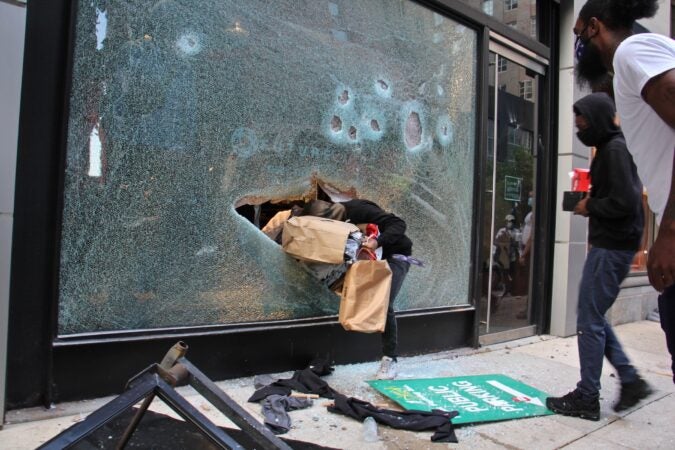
183, 111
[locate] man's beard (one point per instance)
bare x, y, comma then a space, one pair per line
590, 70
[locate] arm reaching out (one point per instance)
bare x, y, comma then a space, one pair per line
661, 259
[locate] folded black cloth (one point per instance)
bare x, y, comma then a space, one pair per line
305, 381
275, 407
440, 421
308, 382
266, 391
321, 366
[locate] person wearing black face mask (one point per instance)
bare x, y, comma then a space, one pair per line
616, 221
589, 68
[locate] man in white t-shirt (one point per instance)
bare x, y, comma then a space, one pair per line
643, 69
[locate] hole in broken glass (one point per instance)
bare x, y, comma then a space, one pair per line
343, 98
375, 125
352, 133
336, 124
262, 214
413, 130
268, 214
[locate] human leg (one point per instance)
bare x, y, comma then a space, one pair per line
667, 316
603, 273
616, 356
387, 369
633, 387
399, 269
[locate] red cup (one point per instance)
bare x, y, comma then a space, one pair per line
581, 180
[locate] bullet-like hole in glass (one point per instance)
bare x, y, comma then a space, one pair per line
413, 130
336, 124
352, 133
374, 124
343, 98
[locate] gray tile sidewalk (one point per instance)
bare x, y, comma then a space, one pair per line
547, 363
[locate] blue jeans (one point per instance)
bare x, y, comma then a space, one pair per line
604, 271
399, 269
667, 315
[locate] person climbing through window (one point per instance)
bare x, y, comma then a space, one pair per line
396, 246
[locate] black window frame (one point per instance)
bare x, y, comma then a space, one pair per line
40, 364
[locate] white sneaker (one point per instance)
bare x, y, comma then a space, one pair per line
387, 369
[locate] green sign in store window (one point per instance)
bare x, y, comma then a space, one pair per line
512, 188
477, 398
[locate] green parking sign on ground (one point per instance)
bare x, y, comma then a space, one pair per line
477, 398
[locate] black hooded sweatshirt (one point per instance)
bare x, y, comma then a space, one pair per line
615, 204
392, 237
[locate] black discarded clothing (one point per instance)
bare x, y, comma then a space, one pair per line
266, 391
321, 366
308, 382
305, 381
275, 407
440, 421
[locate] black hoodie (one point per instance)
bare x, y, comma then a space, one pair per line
392, 237
615, 204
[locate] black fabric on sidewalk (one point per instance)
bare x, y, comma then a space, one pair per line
321, 366
440, 421
161, 432
266, 391
275, 410
305, 381
309, 382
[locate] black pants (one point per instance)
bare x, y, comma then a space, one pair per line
667, 315
399, 269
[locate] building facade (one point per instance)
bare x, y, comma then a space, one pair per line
157, 138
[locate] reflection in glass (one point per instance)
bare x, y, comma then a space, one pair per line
518, 14
205, 109
95, 154
507, 229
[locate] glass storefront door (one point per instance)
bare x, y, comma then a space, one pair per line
507, 230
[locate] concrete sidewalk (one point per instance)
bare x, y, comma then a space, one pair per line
546, 363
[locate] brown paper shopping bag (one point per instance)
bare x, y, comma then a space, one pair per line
276, 224
316, 239
365, 297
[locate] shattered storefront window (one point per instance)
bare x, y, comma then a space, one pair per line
188, 117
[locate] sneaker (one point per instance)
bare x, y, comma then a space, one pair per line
387, 369
632, 393
574, 404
